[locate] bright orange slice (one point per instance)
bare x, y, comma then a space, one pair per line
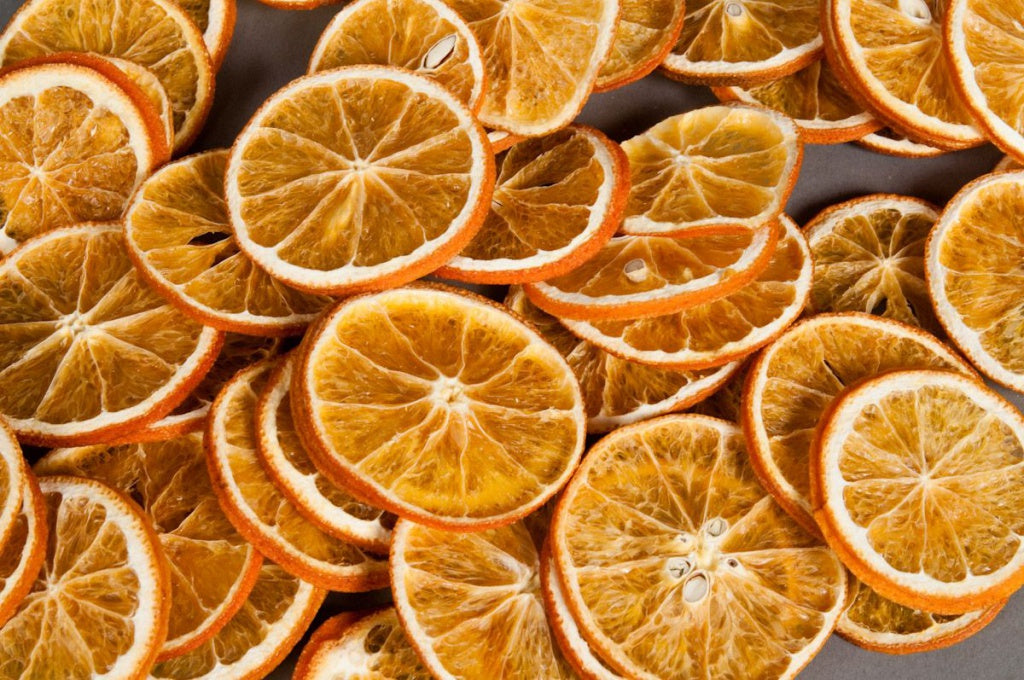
23, 553
890, 143
646, 33
216, 20
13, 475
327, 633
725, 404
502, 140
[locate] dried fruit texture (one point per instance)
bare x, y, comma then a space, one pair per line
23, 552
890, 143
646, 33
216, 20
13, 475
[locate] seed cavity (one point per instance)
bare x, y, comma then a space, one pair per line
439, 52
636, 270
916, 9
716, 527
734, 9
679, 566
696, 589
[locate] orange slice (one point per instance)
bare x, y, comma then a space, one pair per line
647, 32
212, 567
557, 201
439, 406
502, 140
890, 143
322, 181
216, 20
179, 237
324, 637
676, 563
725, 404
13, 475
23, 553
425, 36
713, 170
87, 351
259, 511
1007, 163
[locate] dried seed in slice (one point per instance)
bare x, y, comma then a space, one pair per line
23, 553
646, 33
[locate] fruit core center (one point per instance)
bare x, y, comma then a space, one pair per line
733, 9
701, 558
74, 323
450, 392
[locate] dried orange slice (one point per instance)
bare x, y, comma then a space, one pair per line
332, 509
438, 406
973, 266
502, 140
309, 664
725, 404
869, 257
259, 511
793, 381
618, 392
216, 20
425, 36
936, 451
1008, 163
179, 237
542, 58
736, 42
557, 201
676, 563
23, 553
99, 606
322, 182
890, 143
212, 567
13, 475
646, 33
713, 170
156, 34
87, 351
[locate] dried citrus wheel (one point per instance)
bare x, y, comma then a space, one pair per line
358, 177
676, 563
425, 36
556, 201
542, 58
308, 665
617, 392
179, 238
212, 567
99, 606
736, 42
216, 20
100, 142
156, 34
502, 141
869, 257
439, 406
259, 511
936, 451
22, 554
13, 473
1008, 163
972, 264
890, 143
793, 381
498, 629
726, 402
87, 351
718, 332
285, 459
278, 611
646, 33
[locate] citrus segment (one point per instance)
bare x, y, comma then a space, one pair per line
890, 143
646, 33
22, 554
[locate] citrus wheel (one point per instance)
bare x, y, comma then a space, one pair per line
259, 511
258, 637
424, 36
741, 42
23, 553
890, 143
216, 20
869, 257
972, 265
156, 34
179, 237
99, 606
646, 33
542, 58
212, 567
719, 332
87, 351
714, 170
793, 381
322, 181
502, 140
1007, 163
725, 404
664, 540
73, 175
329, 507
439, 406
13, 476
557, 200
309, 665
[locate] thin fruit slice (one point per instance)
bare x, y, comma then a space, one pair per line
973, 265
279, 610
308, 664
179, 238
640, 276
23, 553
13, 476
618, 392
646, 33
793, 381
439, 406
212, 567
322, 181
156, 34
424, 36
1008, 163
259, 511
557, 201
502, 141
722, 331
87, 351
96, 142
216, 20
936, 451
542, 58
737, 42
890, 143
710, 171
725, 404
676, 563
332, 509
869, 257
99, 606
498, 629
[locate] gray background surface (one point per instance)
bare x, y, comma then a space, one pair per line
271, 47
